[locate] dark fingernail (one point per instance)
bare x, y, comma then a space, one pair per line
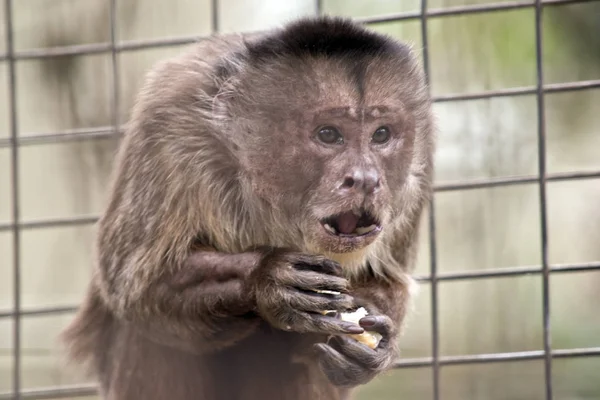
353, 329
367, 321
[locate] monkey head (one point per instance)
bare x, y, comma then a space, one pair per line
332, 131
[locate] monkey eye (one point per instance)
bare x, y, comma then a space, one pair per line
330, 135
381, 135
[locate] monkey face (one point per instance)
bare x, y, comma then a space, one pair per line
358, 160
339, 176
333, 149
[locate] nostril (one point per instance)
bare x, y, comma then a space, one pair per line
348, 182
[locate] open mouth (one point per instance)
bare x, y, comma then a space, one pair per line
349, 224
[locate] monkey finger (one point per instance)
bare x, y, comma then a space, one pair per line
306, 262
309, 280
318, 323
376, 360
378, 323
317, 303
340, 371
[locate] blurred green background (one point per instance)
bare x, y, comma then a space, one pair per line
476, 229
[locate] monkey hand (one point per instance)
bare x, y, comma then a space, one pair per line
348, 363
283, 287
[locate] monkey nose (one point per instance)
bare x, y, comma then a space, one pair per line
365, 179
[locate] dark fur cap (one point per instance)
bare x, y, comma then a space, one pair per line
332, 37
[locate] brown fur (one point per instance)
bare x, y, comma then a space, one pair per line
218, 191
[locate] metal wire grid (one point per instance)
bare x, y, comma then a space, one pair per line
14, 142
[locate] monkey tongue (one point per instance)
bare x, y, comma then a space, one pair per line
346, 223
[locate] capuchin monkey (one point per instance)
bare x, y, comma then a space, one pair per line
265, 186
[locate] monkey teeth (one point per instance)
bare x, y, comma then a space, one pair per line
358, 231
351, 224
330, 229
364, 230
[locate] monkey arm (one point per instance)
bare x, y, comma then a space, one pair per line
175, 182
151, 275
199, 307
208, 298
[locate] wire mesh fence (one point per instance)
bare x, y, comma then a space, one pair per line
547, 353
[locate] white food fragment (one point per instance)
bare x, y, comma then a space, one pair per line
328, 292
355, 316
369, 338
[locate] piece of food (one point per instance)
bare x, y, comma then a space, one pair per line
369, 338
327, 292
